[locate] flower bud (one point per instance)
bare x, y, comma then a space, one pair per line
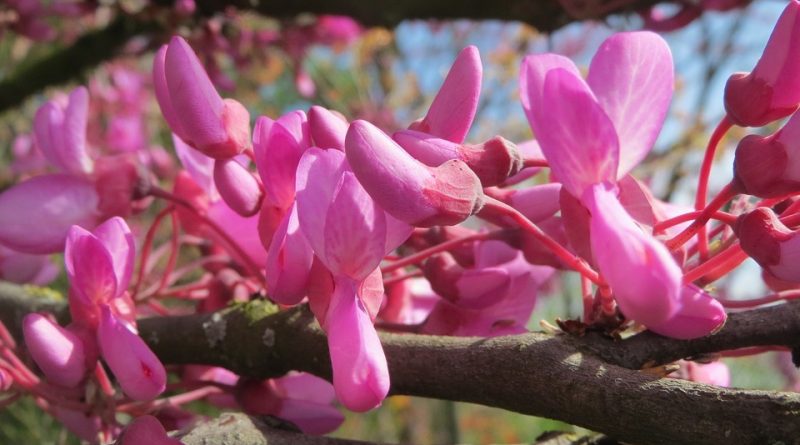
327, 128
237, 187
767, 240
58, 352
772, 90
407, 189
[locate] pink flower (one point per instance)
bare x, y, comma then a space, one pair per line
22, 268
193, 108
145, 430
453, 109
237, 187
772, 90
699, 314
60, 133
278, 147
407, 189
327, 128
58, 352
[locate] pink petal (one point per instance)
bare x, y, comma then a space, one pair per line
90, 267
193, 96
360, 372
480, 288
429, 150
698, 316
397, 232
163, 96
23, 268
289, 261
632, 78
138, 370
311, 417
84, 425
355, 231
779, 65
644, 277
307, 387
237, 187
74, 155
36, 214
199, 166
318, 175
116, 237
288, 139
715, 373
146, 430
260, 141
243, 230
532, 76
577, 136
327, 129
537, 203
58, 352
453, 109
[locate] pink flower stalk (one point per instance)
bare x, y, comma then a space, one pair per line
493, 161
60, 132
407, 189
145, 430
769, 166
767, 240
303, 399
350, 234
193, 108
772, 90
58, 352
453, 109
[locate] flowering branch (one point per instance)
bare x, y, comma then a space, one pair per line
588, 381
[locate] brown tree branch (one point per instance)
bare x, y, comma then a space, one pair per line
592, 381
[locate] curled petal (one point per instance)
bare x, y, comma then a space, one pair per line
36, 214
146, 430
116, 237
279, 155
289, 261
531, 85
643, 275
90, 267
699, 315
360, 372
138, 370
327, 129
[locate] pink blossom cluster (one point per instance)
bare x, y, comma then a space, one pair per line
415, 231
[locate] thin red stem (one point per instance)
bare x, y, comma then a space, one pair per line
396, 279
173, 254
725, 195
102, 379
568, 258
744, 304
148, 246
702, 183
532, 162
661, 226
725, 260
443, 247
588, 300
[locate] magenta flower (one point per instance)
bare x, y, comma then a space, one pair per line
99, 265
772, 90
453, 109
592, 134
60, 132
58, 352
327, 128
350, 234
193, 108
238, 187
407, 189
289, 261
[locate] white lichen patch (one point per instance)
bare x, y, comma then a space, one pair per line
268, 338
215, 329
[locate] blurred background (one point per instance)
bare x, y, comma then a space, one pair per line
390, 77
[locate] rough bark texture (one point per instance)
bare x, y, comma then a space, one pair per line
590, 381
96, 46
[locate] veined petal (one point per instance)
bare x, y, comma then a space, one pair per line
35, 215
287, 140
644, 277
138, 370
453, 109
360, 372
532, 75
162, 94
577, 137
318, 174
632, 77
118, 240
355, 231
